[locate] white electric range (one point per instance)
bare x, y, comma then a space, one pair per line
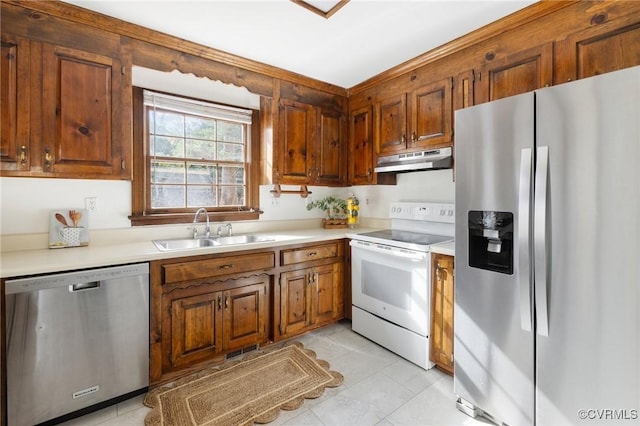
391, 278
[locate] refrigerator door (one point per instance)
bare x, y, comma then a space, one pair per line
588, 367
494, 345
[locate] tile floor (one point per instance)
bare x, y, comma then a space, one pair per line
379, 388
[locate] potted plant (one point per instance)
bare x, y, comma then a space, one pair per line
335, 210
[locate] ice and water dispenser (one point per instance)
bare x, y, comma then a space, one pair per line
491, 241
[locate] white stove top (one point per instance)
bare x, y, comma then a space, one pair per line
415, 226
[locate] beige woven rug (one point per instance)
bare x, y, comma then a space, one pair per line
245, 392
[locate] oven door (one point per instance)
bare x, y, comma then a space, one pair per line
392, 283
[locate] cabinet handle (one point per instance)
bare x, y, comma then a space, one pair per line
403, 138
369, 171
48, 159
219, 302
414, 137
226, 266
23, 155
312, 253
226, 301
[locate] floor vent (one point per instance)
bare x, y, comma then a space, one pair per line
242, 351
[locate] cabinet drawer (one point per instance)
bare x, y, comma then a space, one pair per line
310, 253
218, 266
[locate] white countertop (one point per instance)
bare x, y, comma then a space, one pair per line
42, 261
447, 247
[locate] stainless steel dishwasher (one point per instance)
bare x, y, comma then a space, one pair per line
75, 341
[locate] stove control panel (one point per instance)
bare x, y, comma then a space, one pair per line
432, 212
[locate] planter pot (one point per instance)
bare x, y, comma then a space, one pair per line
334, 223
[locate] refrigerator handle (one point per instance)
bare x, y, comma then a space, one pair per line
524, 217
540, 240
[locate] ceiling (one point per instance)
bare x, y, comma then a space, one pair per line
359, 41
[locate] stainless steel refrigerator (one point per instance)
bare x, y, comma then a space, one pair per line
547, 297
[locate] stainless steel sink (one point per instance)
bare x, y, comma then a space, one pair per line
241, 239
184, 243
191, 243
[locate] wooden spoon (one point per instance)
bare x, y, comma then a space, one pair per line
61, 219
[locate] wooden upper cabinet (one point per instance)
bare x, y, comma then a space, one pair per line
421, 118
516, 73
391, 124
464, 90
361, 146
78, 121
330, 157
311, 145
431, 114
72, 116
597, 51
15, 150
295, 137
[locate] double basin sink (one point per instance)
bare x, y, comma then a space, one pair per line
193, 243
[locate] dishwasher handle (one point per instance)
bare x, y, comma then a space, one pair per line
73, 288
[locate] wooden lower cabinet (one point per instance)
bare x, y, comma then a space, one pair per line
309, 298
199, 326
442, 294
311, 294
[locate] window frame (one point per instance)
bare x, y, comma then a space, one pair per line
141, 212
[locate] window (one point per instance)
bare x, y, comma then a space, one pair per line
193, 154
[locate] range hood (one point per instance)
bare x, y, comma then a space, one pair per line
415, 161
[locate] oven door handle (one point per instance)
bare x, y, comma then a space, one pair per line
388, 250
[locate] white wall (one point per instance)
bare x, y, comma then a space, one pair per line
27, 202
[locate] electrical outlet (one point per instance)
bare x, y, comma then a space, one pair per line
91, 204
275, 202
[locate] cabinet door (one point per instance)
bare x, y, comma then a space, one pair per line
80, 97
442, 294
15, 149
195, 326
431, 111
244, 311
327, 294
597, 51
517, 73
330, 154
295, 307
295, 138
391, 124
464, 90
361, 147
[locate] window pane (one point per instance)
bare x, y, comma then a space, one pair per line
201, 196
200, 127
201, 174
230, 132
232, 175
201, 149
167, 123
164, 146
167, 196
167, 172
232, 196
231, 152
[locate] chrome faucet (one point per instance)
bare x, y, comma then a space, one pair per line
226, 226
207, 230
